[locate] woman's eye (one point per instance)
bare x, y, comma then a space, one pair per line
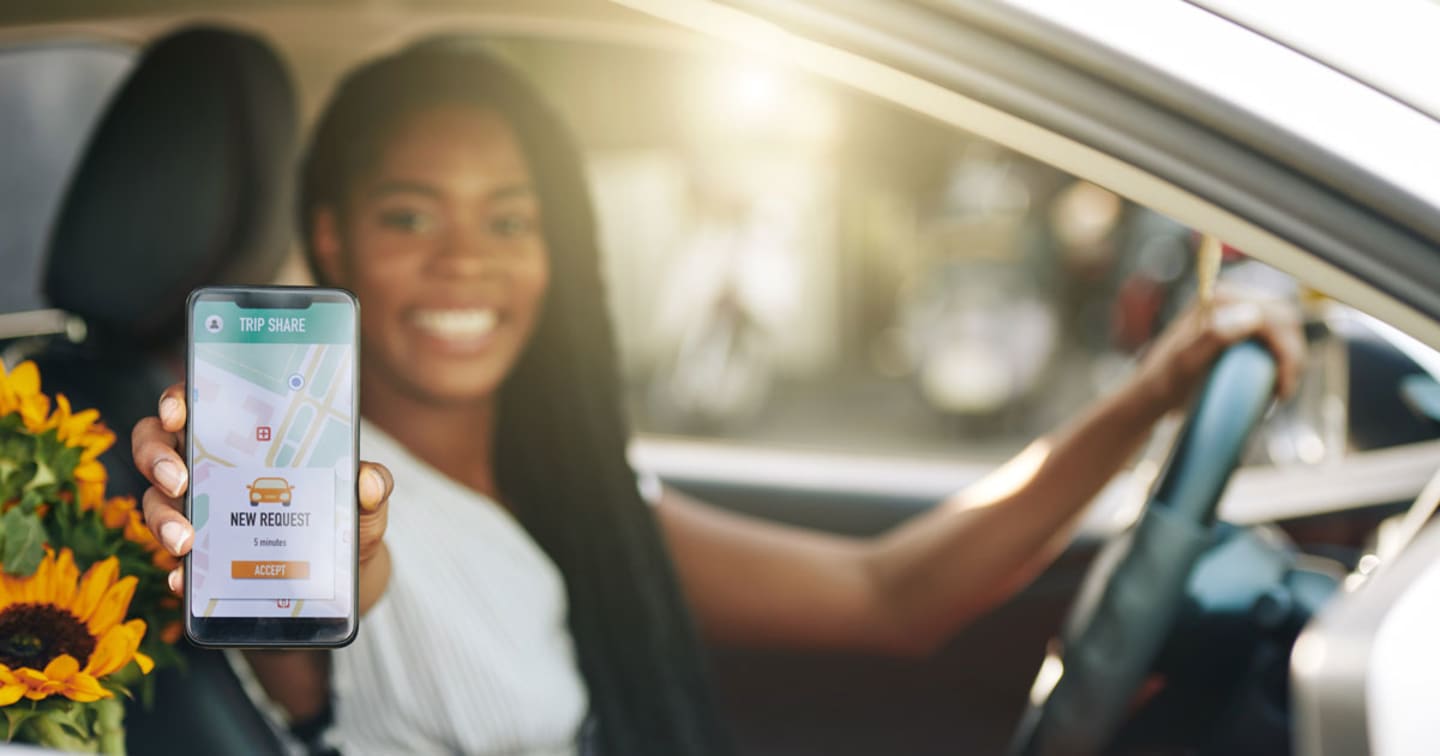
409, 221
511, 225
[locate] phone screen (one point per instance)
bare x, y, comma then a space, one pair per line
272, 455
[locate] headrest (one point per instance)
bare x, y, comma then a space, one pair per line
186, 181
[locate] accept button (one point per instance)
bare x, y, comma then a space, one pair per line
270, 570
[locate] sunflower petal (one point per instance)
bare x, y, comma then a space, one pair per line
90, 471
96, 441
62, 667
35, 411
43, 691
93, 586
113, 605
11, 692
115, 649
80, 423
109, 653
25, 379
24, 590
114, 512
31, 677
137, 626
38, 685
42, 582
66, 574
84, 688
12, 590
92, 494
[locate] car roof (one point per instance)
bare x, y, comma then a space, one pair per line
1171, 58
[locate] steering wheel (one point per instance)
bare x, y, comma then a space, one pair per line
1136, 584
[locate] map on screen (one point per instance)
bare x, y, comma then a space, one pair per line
272, 467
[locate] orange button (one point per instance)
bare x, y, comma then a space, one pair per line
270, 570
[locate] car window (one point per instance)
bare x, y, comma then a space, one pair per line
795, 264
50, 96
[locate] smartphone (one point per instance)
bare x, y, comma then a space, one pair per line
272, 444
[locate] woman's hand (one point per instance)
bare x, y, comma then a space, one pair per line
1181, 358
156, 442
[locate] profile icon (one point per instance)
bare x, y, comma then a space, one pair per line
214, 324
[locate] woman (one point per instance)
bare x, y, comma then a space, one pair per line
442, 191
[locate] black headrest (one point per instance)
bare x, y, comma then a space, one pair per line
186, 181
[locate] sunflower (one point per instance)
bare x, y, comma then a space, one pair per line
61, 632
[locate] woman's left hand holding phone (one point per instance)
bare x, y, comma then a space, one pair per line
156, 443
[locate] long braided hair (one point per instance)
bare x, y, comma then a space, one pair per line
561, 433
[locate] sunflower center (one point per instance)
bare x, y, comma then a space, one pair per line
33, 634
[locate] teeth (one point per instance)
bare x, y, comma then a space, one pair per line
457, 324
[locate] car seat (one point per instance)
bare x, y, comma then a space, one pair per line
185, 181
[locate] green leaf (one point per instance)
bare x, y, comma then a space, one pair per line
65, 725
32, 499
15, 715
44, 475
47, 445
24, 543
65, 461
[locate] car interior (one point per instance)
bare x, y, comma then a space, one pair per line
892, 306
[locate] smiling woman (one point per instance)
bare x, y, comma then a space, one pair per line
488, 363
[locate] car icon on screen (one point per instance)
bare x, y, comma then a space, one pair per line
270, 491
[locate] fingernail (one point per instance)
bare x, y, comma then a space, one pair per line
175, 580
170, 476
1235, 319
174, 535
169, 408
377, 482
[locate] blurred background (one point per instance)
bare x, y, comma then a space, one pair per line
797, 264
792, 263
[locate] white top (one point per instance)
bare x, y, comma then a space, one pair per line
469, 650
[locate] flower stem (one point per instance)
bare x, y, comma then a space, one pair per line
110, 725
